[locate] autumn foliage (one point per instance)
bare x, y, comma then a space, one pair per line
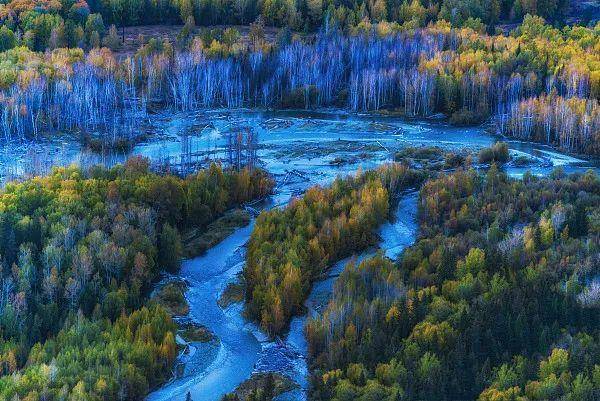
80, 251
290, 247
495, 301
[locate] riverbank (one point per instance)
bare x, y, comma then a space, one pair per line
290, 136
297, 149
198, 241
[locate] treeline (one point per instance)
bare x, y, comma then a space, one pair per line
79, 251
50, 24
571, 123
42, 24
289, 248
308, 15
495, 301
465, 74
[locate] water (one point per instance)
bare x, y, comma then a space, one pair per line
300, 149
307, 141
243, 348
394, 236
238, 348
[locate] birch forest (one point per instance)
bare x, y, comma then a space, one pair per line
540, 83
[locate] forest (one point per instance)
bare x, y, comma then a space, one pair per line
496, 300
540, 83
289, 248
41, 24
105, 269
80, 252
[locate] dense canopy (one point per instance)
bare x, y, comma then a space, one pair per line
79, 252
497, 300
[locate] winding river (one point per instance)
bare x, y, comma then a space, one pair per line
300, 149
310, 145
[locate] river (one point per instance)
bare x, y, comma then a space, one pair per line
308, 141
300, 149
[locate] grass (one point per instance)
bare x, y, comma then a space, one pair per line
421, 153
313, 151
523, 161
233, 294
172, 299
197, 241
262, 386
342, 160
431, 158
193, 333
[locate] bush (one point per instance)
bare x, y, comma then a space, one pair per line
465, 117
8, 40
112, 40
300, 98
497, 153
170, 249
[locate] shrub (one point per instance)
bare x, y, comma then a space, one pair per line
497, 153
